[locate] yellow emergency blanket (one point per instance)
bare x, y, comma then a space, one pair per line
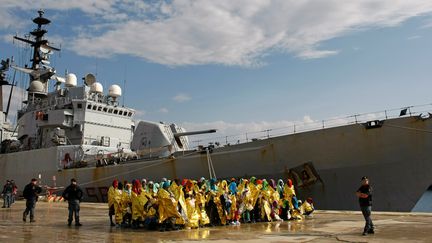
117, 202
138, 202
192, 213
167, 206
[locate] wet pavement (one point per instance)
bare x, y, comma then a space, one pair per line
324, 226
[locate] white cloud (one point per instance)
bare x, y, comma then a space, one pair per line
414, 37
233, 132
227, 32
139, 114
307, 119
163, 110
181, 98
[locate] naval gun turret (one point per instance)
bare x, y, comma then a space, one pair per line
152, 139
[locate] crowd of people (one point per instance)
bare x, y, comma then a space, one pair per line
171, 205
9, 193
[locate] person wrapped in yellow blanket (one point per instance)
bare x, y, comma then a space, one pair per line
307, 207
200, 201
167, 207
266, 196
127, 205
291, 199
111, 195
193, 212
179, 196
139, 200
117, 202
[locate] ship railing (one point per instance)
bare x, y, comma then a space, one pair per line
288, 128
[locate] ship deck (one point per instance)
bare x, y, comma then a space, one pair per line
324, 226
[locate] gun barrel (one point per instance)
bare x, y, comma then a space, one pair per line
180, 134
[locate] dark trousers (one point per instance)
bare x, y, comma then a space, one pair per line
367, 211
30, 206
74, 208
7, 200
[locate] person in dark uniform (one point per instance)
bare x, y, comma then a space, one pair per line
73, 194
7, 194
31, 194
364, 194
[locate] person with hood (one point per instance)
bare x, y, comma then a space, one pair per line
233, 215
167, 207
245, 200
111, 195
73, 194
118, 205
139, 200
291, 199
266, 200
126, 205
31, 194
364, 194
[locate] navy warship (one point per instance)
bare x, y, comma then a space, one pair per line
74, 128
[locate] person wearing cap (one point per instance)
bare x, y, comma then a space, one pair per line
31, 193
364, 194
73, 194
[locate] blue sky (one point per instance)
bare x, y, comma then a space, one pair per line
241, 65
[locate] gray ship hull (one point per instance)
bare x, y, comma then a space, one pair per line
396, 157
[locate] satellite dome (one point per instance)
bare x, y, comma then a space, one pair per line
96, 88
71, 80
89, 79
36, 86
114, 91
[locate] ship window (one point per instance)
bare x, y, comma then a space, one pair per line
125, 113
99, 108
89, 106
105, 109
130, 114
94, 108
79, 106
115, 111
120, 113
110, 110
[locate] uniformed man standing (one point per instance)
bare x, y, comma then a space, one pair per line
31, 194
73, 194
7, 194
364, 193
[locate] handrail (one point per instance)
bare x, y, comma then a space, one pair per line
299, 127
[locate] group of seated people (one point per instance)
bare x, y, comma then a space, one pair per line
171, 205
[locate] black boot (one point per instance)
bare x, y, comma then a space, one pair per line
111, 221
77, 222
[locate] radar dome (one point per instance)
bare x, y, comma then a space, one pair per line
36, 86
114, 91
71, 80
89, 79
96, 88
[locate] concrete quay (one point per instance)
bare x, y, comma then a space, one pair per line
323, 226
